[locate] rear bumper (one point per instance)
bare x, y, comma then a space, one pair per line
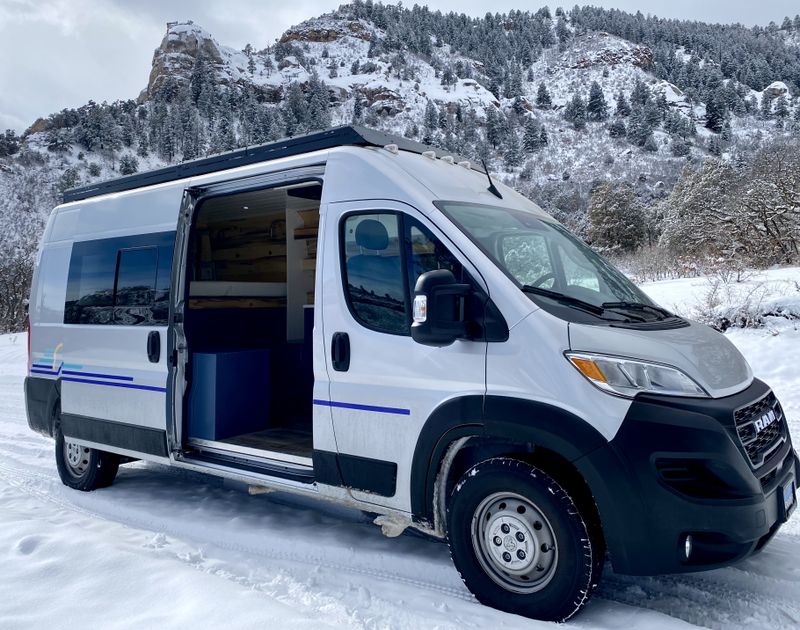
41, 397
678, 468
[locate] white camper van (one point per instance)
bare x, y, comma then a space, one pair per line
357, 317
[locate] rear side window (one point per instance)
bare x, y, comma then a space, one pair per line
123, 281
136, 285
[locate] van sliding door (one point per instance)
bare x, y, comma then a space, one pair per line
112, 361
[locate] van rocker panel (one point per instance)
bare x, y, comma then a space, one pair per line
355, 472
115, 434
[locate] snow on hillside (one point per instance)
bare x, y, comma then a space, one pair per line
167, 549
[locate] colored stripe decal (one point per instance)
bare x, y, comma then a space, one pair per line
346, 405
92, 375
48, 372
149, 388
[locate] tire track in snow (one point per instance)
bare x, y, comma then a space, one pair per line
34, 482
743, 596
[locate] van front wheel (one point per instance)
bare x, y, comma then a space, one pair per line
84, 468
519, 541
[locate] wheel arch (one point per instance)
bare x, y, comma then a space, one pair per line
466, 430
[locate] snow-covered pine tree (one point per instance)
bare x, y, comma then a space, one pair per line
596, 108
513, 155
543, 99
294, 110
617, 129
562, 31
431, 119
616, 218
495, 127
319, 116
544, 140
640, 94
766, 105
679, 147
715, 113
781, 111
623, 107
575, 112
531, 138
128, 165
650, 144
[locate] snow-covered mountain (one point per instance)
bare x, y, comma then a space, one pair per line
553, 102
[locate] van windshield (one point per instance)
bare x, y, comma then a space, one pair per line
550, 264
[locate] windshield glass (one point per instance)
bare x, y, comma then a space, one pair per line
546, 260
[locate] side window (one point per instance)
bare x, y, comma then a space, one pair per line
123, 281
384, 254
427, 253
163, 281
136, 285
527, 258
373, 273
90, 285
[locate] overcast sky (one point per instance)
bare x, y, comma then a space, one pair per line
61, 53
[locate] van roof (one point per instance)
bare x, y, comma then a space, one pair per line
339, 136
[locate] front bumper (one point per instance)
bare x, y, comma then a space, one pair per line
677, 467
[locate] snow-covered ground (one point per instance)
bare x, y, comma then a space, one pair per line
166, 549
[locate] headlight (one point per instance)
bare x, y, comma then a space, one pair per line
628, 377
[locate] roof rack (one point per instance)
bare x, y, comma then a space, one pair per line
336, 137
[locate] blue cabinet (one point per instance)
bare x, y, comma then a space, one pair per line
229, 394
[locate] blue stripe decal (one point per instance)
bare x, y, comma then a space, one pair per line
45, 366
48, 372
346, 405
149, 388
90, 374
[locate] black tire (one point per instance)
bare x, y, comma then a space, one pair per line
496, 502
96, 469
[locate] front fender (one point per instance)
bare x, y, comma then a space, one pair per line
513, 420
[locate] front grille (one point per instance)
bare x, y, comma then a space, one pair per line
761, 428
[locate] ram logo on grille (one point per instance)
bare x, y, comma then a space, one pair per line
764, 421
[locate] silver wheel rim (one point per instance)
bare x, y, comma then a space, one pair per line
514, 542
76, 457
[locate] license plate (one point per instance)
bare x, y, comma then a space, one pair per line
788, 498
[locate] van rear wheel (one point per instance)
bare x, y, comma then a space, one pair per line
520, 542
84, 468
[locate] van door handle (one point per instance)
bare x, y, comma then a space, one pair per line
340, 352
154, 346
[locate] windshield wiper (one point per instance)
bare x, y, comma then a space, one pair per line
562, 297
638, 306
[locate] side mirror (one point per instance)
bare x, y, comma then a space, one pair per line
439, 309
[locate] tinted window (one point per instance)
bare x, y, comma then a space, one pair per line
373, 271
90, 287
381, 269
426, 253
138, 267
136, 285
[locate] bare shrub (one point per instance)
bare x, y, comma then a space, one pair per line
727, 303
652, 263
15, 285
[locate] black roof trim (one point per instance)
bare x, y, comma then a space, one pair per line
336, 137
